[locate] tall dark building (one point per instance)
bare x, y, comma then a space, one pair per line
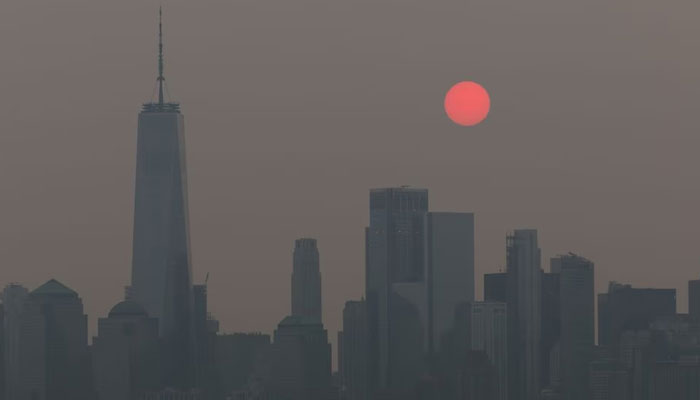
237, 356
125, 353
306, 280
53, 350
524, 314
161, 276
2, 353
13, 298
353, 364
395, 288
449, 254
694, 299
297, 365
550, 328
205, 329
577, 341
626, 308
496, 287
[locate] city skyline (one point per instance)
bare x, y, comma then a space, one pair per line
95, 219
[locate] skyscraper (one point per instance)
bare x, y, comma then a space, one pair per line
13, 297
126, 362
694, 299
550, 329
524, 314
297, 366
161, 275
626, 308
449, 254
496, 287
395, 287
489, 334
53, 352
306, 279
577, 336
354, 350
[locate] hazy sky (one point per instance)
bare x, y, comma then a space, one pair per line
295, 108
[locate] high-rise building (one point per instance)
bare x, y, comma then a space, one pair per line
125, 353
297, 366
626, 308
449, 253
353, 364
53, 351
2, 353
161, 275
496, 287
236, 356
677, 380
306, 280
489, 334
694, 299
577, 337
550, 329
524, 314
395, 288
13, 297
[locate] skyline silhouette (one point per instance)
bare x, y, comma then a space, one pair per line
265, 145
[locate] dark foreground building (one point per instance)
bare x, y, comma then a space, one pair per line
297, 366
53, 350
125, 353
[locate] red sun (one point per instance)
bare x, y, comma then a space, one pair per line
467, 103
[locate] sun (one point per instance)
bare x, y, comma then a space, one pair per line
467, 103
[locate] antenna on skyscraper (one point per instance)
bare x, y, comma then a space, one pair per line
161, 78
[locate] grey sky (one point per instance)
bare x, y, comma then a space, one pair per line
294, 109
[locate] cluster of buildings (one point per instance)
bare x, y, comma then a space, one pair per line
418, 333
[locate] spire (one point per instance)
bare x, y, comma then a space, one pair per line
161, 78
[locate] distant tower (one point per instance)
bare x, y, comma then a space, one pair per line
577, 301
124, 353
524, 314
694, 299
53, 346
161, 275
397, 320
489, 334
449, 255
13, 297
306, 280
354, 350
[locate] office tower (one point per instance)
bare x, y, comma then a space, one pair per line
676, 379
306, 280
354, 350
53, 352
496, 287
237, 356
577, 335
449, 253
2, 353
624, 307
125, 353
489, 334
161, 276
395, 288
478, 378
13, 297
297, 366
524, 314
205, 329
550, 328
694, 299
